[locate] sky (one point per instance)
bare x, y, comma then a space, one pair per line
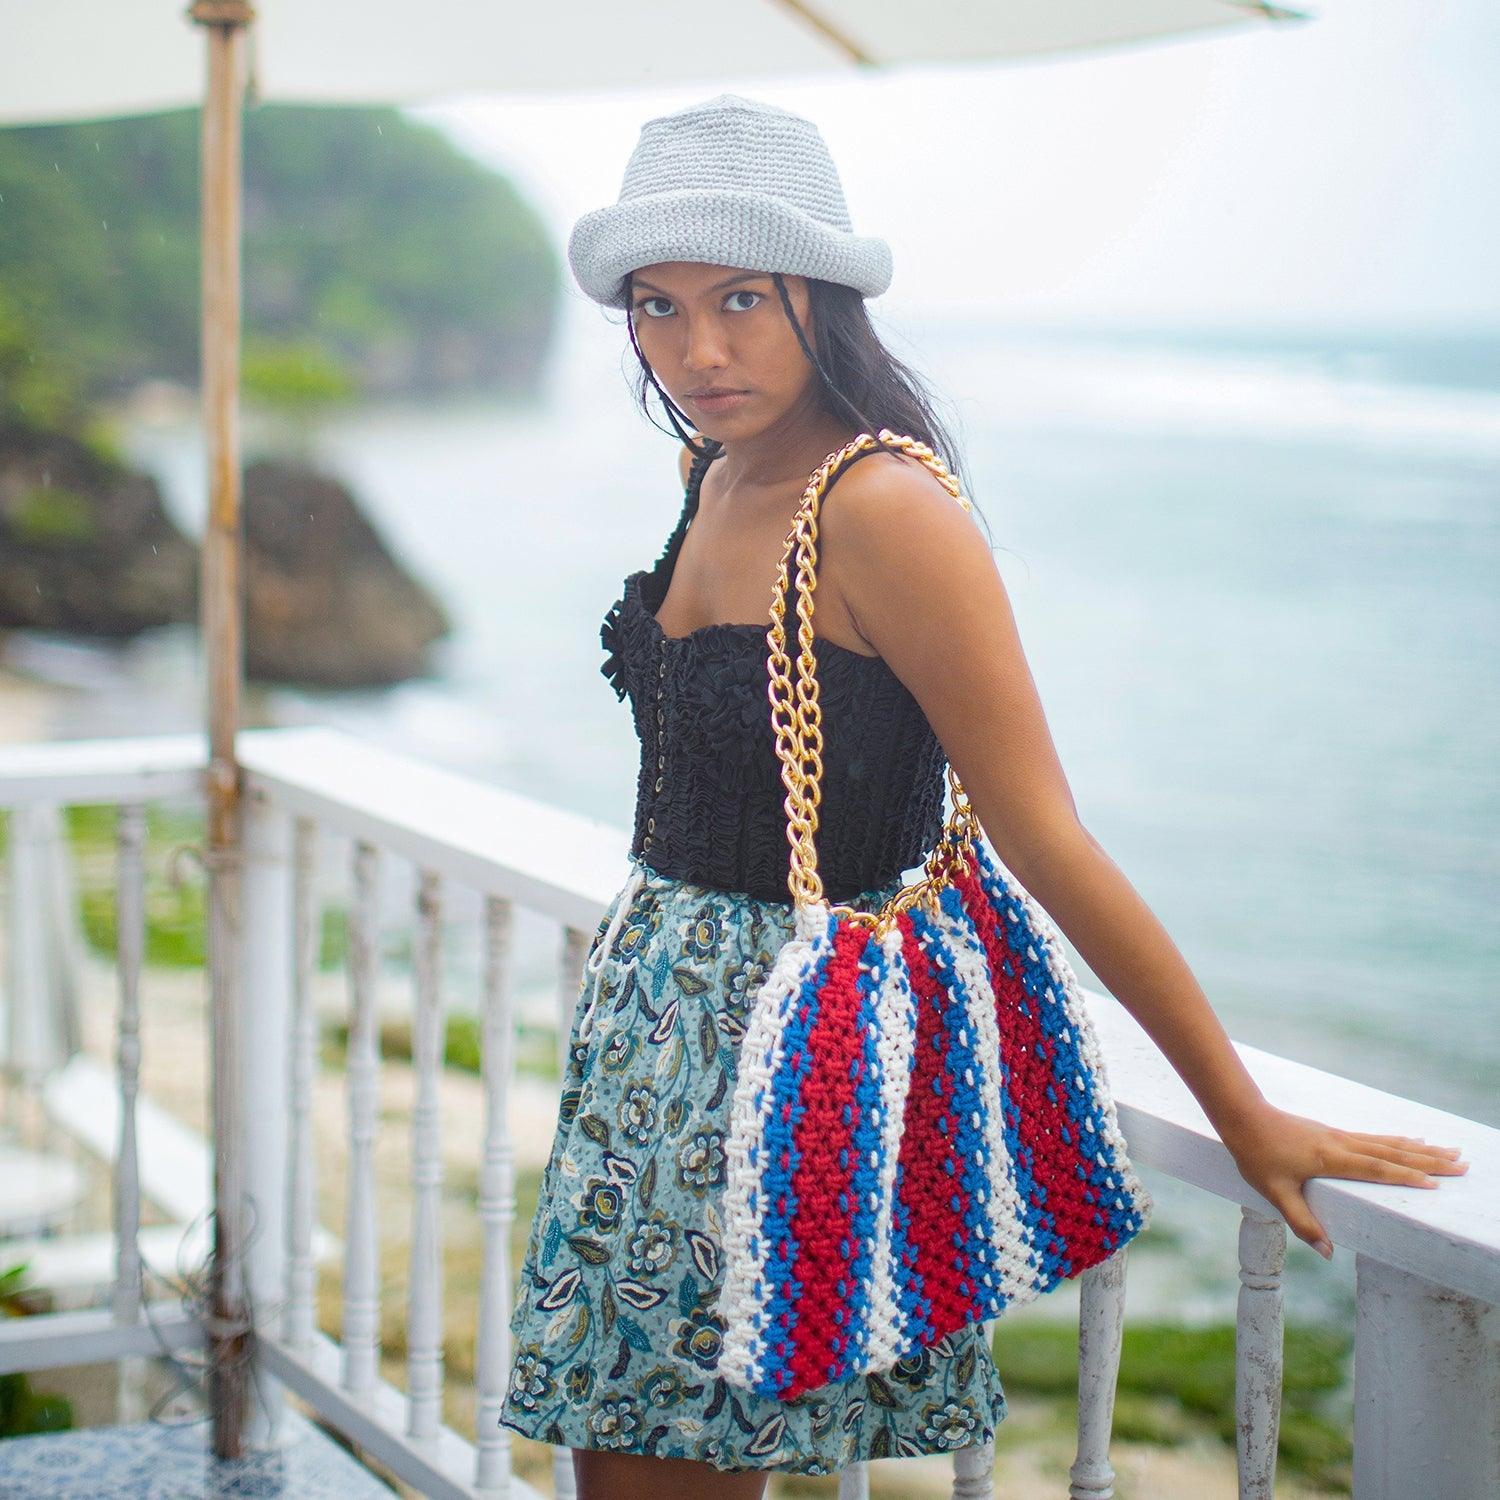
1341, 172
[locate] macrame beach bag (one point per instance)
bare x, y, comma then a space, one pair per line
922, 1134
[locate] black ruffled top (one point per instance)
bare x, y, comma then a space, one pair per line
709, 796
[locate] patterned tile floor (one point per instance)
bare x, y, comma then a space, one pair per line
152, 1461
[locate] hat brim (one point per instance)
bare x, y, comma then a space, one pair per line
714, 226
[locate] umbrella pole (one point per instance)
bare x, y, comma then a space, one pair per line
228, 1330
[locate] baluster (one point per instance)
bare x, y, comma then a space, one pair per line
130, 940
300, 1321
1101, 1327
1258, 1353
854, 1482
361, 1330
130, 929
32, 968
424, 1315
1426, 1386
974, 1467
575, 946
265, 965
497, 1203
974, 1472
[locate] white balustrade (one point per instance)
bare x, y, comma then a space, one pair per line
130, 937
1258, 1353
361, 1324
301, 1274
974, 1470
424, 1315
1427, 1367
1101, 1326
266, 967
575, 943
130, 942
854, 1482
497, 1202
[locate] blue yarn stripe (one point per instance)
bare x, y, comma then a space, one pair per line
1045, 989
961, 1055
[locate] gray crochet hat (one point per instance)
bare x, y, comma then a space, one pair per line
731, 182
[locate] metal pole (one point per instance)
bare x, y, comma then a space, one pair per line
228, 1329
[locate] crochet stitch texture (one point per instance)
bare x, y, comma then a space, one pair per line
719, 817
731, 181
922, 1137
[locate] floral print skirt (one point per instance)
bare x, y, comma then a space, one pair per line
615, 1332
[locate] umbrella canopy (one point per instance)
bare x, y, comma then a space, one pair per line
91, 59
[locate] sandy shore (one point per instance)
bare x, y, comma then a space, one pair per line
27, 708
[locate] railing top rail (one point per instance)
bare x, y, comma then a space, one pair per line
568, 866
102, 770
1449, 1236
543, 857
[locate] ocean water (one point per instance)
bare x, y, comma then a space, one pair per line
1257, 585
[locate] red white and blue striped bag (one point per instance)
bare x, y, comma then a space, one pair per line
922, 1134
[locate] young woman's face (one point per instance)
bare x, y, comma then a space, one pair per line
704, 328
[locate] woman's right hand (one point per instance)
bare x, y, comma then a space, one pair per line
1277, 1152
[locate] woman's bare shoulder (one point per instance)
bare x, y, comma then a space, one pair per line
892, 496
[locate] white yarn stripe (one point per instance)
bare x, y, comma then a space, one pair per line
896, 1018
1019, 1269
742, 1298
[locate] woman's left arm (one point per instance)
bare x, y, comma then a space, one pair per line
920, 582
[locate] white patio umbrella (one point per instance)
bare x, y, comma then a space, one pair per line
95, 59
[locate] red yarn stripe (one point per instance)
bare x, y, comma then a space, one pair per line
1054, 1162
927, 1186
820, 1225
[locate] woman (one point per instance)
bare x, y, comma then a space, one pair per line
730, 250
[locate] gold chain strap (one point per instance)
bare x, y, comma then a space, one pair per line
796, 716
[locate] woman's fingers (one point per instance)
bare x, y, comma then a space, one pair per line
1408, 1143
1282, 1163
1301, 1220
1361, 1168
1416, 1151
1424, 1161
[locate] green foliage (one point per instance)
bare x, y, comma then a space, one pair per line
175, 924
175, 914
92, 826
35, 386
23, 1410
295, 377
370, 243
12, 1282
52, 515
535, 1045
1175, 1379
333, 941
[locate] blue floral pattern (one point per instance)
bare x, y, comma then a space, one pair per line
615, 1331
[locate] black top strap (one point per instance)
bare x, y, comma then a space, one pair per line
696, 471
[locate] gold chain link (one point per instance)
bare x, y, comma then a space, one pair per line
797, 718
